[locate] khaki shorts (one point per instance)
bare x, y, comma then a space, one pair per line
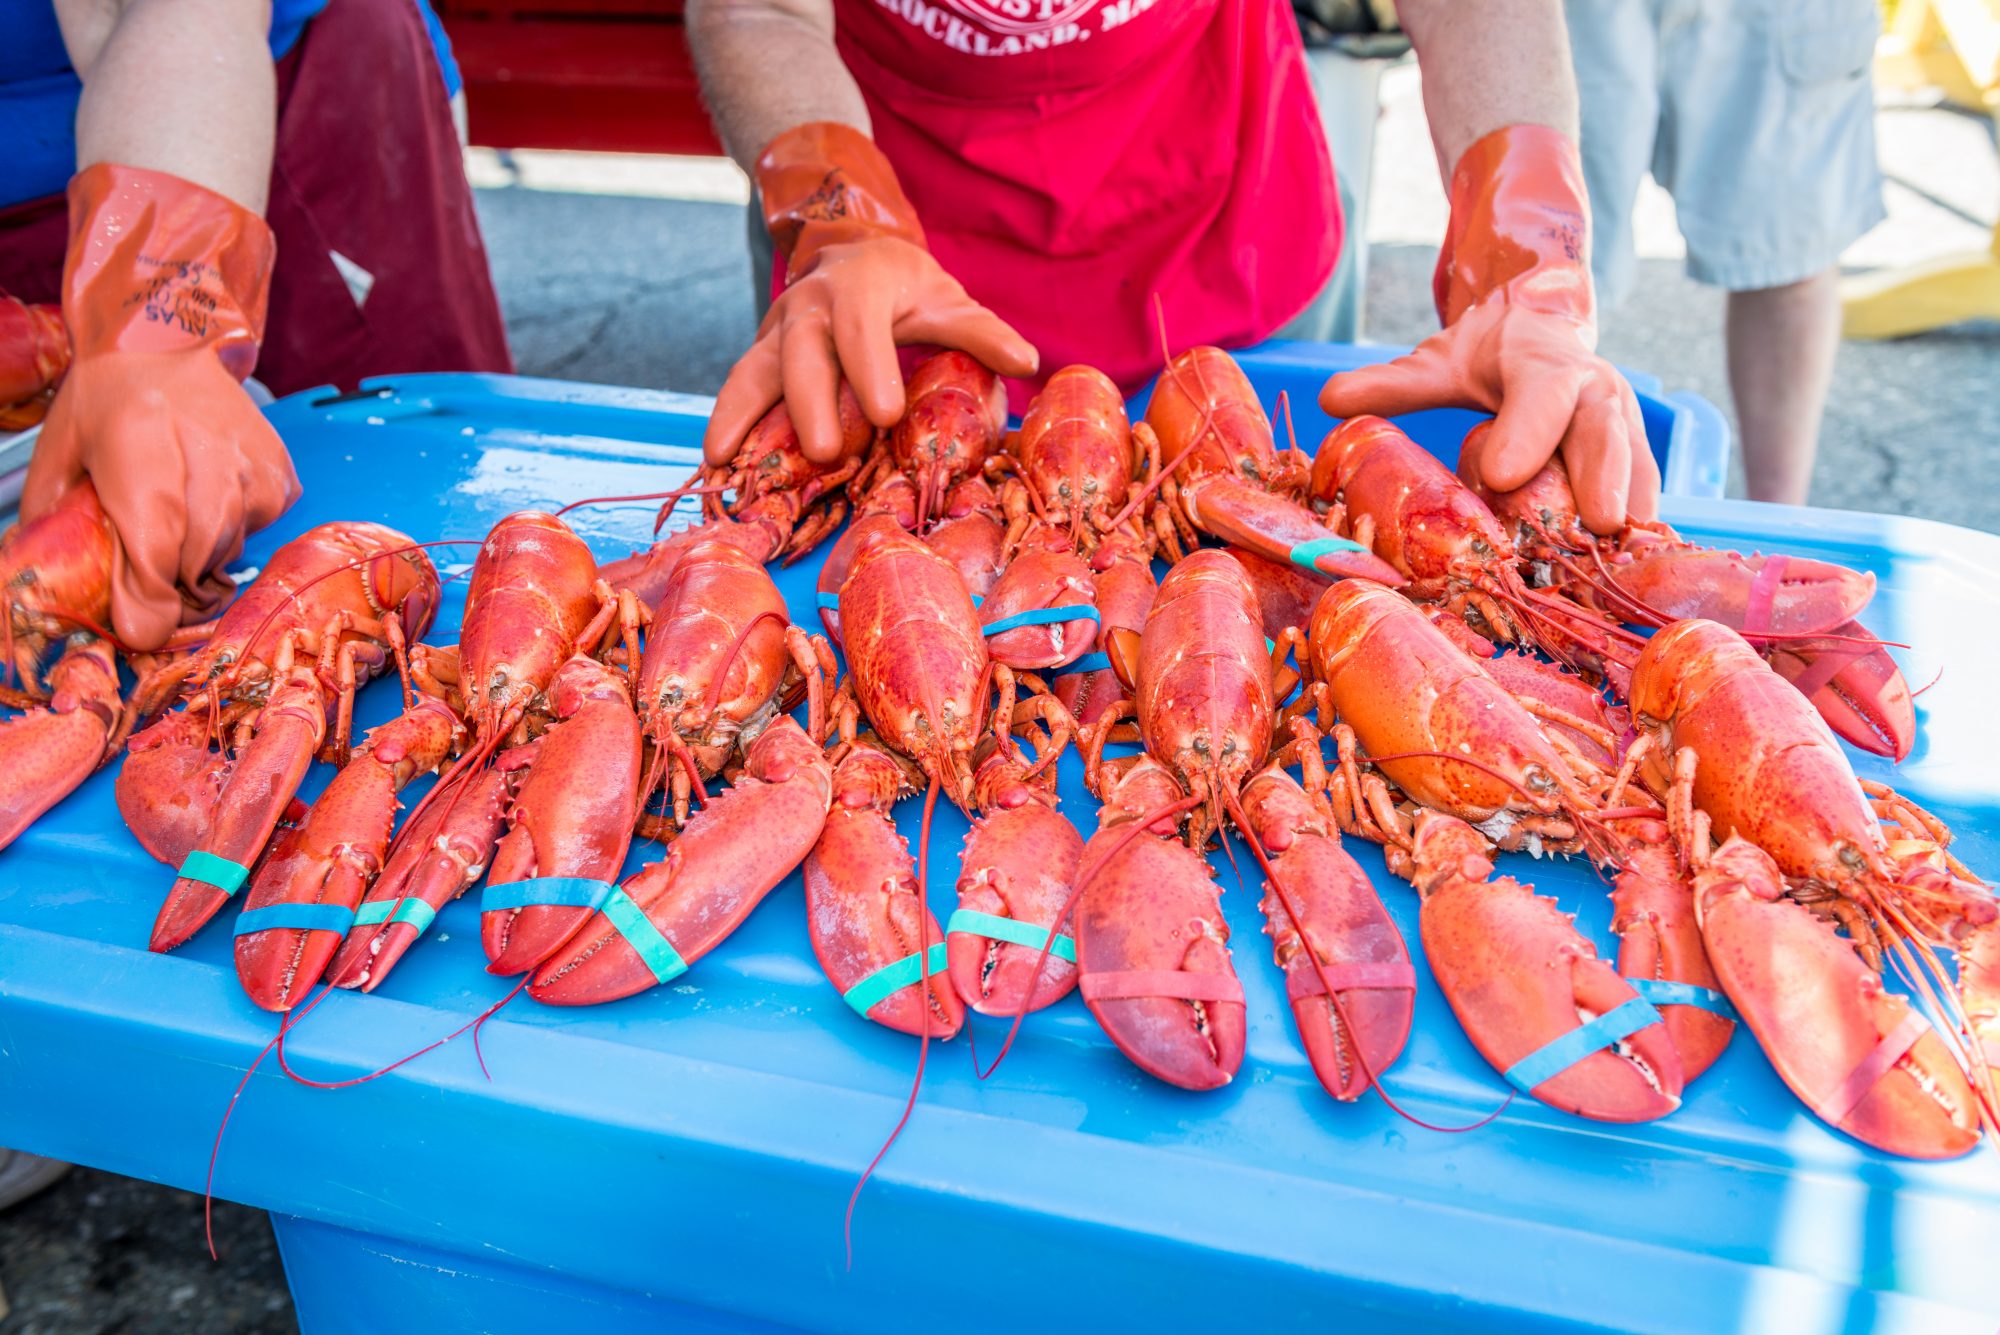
1757, 116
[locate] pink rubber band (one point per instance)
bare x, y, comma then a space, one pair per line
1173, 984
1830, 664
1763, 589
1875, 1065
1386, 975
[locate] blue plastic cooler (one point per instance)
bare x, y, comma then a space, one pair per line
682, 1159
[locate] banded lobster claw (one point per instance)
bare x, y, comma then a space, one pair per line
1854, 685
1361, 954
732, 853
573, 814
1529, 990
1859, 1056
328, 865
865, 911
1152, 944
46, 752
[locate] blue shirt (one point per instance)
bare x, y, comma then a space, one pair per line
39, 91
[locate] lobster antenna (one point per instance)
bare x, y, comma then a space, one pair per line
1340, 1008
923, 1039
672, 497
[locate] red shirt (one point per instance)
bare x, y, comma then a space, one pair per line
1071, 159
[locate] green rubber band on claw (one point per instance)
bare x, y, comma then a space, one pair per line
1665, 992
213, 869
1553, 1058
975, 923
412, 911
865, 995
1306, 555
647, 940
301, 917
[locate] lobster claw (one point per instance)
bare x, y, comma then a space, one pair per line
865, 913
259, 788
46, 753
1856, 687
1859, 1056
1019, 864
571, 817
1152, 945
1753, 595
1278, 529
732, 853
1041, 582
1659, 939
170, 782
1521, 979
333, 857
1361, 955
443, 850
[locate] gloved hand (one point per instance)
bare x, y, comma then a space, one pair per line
858, 283
1513, 291
164, 291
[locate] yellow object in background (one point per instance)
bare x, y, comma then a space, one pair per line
1953, 45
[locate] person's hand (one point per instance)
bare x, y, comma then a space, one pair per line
845, 319
858, 282
1520, 336
185, 467
164, 292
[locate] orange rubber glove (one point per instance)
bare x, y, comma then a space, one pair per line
1513, 291
164, 290
858, 283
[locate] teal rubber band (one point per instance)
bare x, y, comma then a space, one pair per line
892, 978
1088, 663
1552, 1059
1664, 992
412, 911
640, 934
1010, 929
1306, 554
1041, 616
576, 892
306, 917
212, 869
829, 600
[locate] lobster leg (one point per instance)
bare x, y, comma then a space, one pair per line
572, 816
1855, 1054
732, 853
1529, 990
46, 753
335, 856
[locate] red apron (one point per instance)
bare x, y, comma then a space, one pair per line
1073, 159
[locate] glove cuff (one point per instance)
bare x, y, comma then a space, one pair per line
159, 264
1520, 227
826, 183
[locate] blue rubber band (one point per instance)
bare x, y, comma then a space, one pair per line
1664, 992
576, 892
1041, 616
1552, 1059
646, 939
829, 600
892, 978
306, 917
412, 911
213, 869
975, 923
1088, 663
1306, 555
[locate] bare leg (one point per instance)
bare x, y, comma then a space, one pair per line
1781, 347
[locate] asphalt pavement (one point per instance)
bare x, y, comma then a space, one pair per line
636, 272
